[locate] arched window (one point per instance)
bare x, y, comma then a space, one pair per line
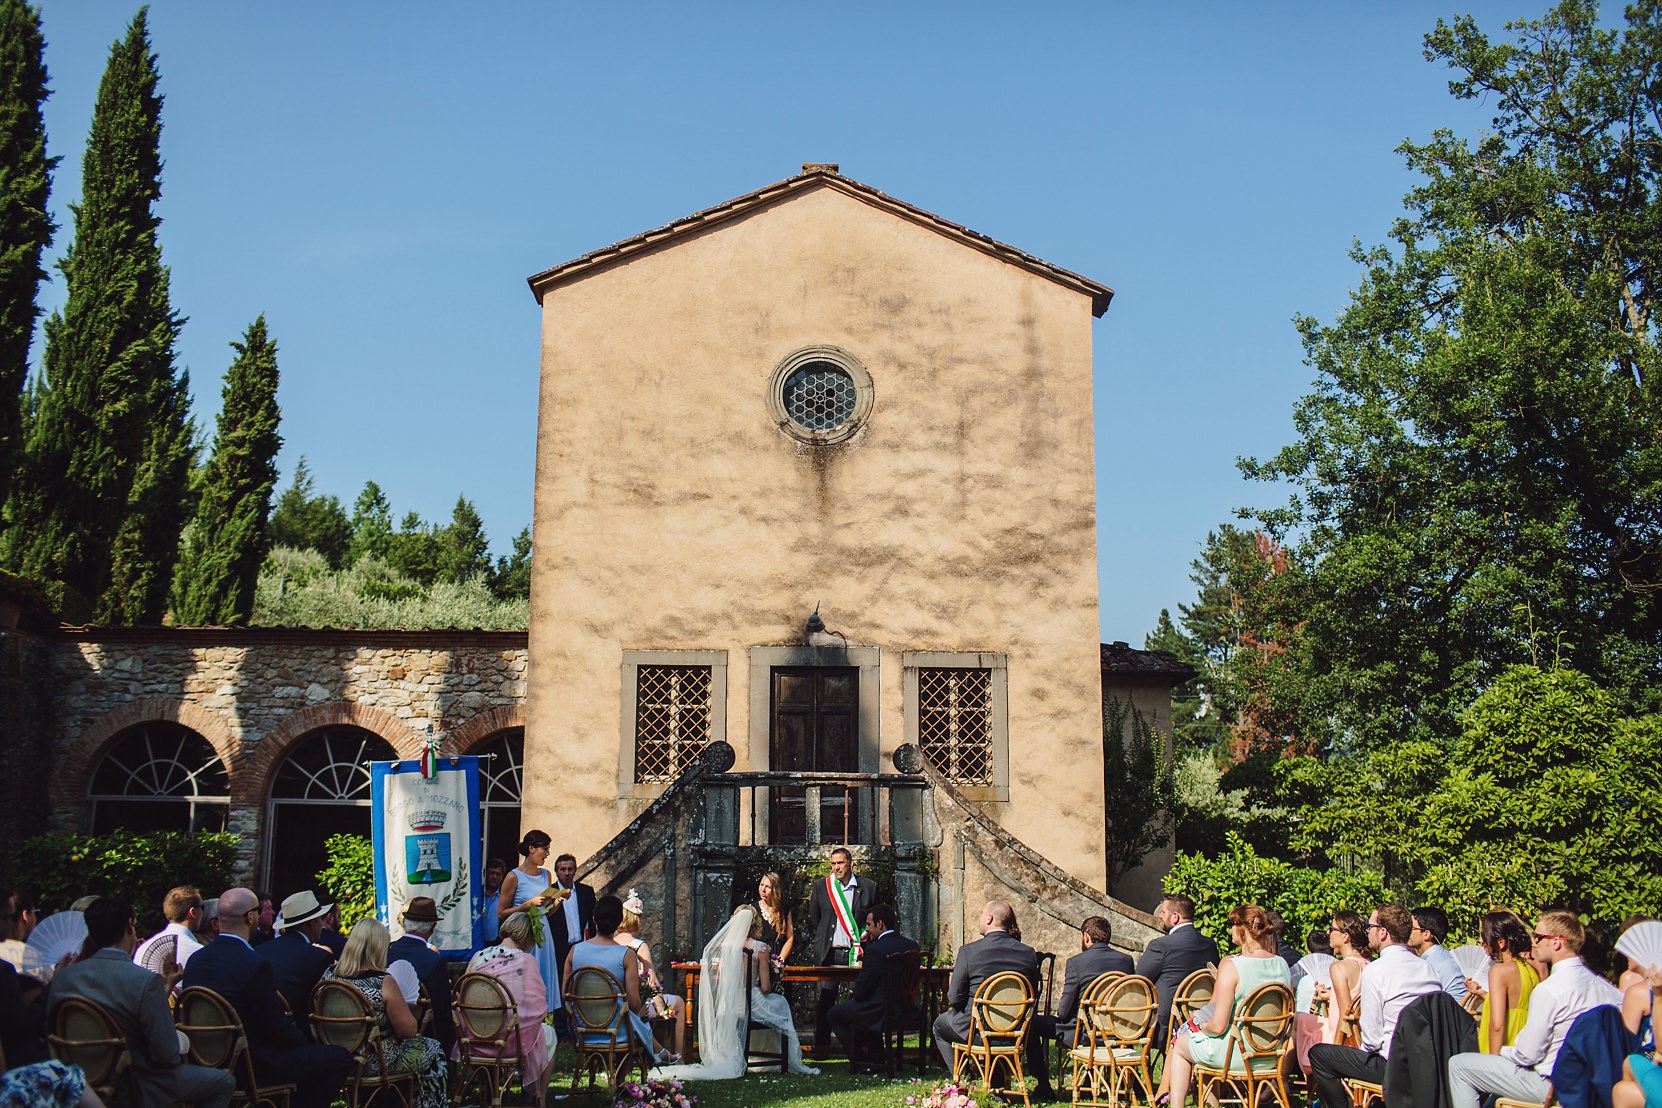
501, 767
159, 776
320, 789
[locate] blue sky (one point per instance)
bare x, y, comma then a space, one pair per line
379, 179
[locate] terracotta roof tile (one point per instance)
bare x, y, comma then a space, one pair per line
1122, 660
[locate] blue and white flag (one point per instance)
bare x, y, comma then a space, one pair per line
425, 820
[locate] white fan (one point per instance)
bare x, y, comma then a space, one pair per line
1642, 943
1317, 966
1473, 961
55, 936
159, 953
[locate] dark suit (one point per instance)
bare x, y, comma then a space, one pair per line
1167, 961
858, 1021
297, 964
231, 968
434, 972
557, 923
994, 952
138, 1001
822, 921
1083, 968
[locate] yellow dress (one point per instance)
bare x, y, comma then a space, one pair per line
1517, 1016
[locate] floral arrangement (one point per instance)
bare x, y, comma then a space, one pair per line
653, 1094
778, 973
947, 1095
652, 996
539, 932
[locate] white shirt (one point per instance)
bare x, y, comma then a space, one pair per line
1569, 990
408, 983
186, 944
1389, 985
1447, 969
574, 930
839, 937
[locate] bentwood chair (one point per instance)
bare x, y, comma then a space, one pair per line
1256, 1052
1112, 1039
489, 1053
601, 1035
1046, 1000
85, 1034
342, 1016
218, 1041
1194, 992
1001, 1013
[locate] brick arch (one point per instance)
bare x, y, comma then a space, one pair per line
255, 779
482, 726
74, 770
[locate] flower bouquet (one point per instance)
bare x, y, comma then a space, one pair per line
653, 1094
778, 973
652, 998
948, 1095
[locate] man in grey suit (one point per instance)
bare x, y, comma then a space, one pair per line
1173, 956
995, 952
1094, 959
137, 998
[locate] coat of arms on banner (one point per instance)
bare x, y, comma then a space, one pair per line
427, 849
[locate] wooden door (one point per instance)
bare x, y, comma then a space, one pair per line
815, 727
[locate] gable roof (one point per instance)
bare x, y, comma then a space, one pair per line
818, 176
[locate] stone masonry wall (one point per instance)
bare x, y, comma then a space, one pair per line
252, 694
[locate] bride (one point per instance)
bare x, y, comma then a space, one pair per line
721, 1003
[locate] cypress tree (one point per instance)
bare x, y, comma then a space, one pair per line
227, 541
100, 500
25, 227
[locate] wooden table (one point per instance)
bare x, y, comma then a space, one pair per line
932, 985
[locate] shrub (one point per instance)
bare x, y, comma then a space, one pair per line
60, 868
350, 877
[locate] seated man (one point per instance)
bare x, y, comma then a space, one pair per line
183, 908
1173, 956
1426, 940
1388, 985
995, 952
137, 999
280, 1053
1094, 959
296, 959
858, 1022
420, 916
1523, 1070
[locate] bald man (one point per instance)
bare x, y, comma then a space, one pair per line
280, 1053
995, 952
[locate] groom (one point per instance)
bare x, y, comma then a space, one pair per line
837, 903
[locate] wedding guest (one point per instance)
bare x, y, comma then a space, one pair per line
420, 917
510, 962
1511, 979
659, 1003
778, 931
183, 908
1426, 940
297, 959
363, 964
605, 952
1171, 957
996, 951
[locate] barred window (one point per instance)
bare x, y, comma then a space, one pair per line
955, 723
672, 719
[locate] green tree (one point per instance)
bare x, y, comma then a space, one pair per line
1137, 787
99, 502
1482, 455
1196, 724
416, 550
463, 550
25, 226
511, 579
227, 543
371, 525
306, 521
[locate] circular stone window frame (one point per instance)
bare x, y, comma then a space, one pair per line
864, 394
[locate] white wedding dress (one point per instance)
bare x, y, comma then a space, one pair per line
721, 1010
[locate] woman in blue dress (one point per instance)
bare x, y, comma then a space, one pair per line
605, 952
526, 889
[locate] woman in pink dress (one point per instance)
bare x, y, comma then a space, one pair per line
509, 963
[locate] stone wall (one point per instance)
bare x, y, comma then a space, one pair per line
253, 693
25, 738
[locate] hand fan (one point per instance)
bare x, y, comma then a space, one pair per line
55, 936
1473, 961
1642, 943
1317, 966
159, 953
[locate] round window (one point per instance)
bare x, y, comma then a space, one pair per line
820, 394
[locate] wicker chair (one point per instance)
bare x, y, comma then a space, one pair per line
1255, 1055
1194, 992
600, 1028
217, 1040
1000, 1014
1112, 1040
489, 1051
85, 1034
342, 1016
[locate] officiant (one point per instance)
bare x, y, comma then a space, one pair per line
837, 903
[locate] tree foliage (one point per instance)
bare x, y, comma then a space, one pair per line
310, 522
25, 226
1481, 459
1137, 787
297, 588
59, 868
349, 878
227, 541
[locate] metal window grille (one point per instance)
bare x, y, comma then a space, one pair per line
955, 723
672, 719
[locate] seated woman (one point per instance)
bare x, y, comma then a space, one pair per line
1641, 1083
777, 929
1512, 977
605, 952
511, 963
1257, 964
1348, 939
659, 1004
363, 964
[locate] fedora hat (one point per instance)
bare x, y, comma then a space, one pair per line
421, 910
301, 907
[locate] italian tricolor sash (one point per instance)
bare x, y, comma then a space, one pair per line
845, 916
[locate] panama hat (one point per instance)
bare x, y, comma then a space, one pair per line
301, 907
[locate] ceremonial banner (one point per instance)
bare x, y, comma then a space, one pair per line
425, 818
